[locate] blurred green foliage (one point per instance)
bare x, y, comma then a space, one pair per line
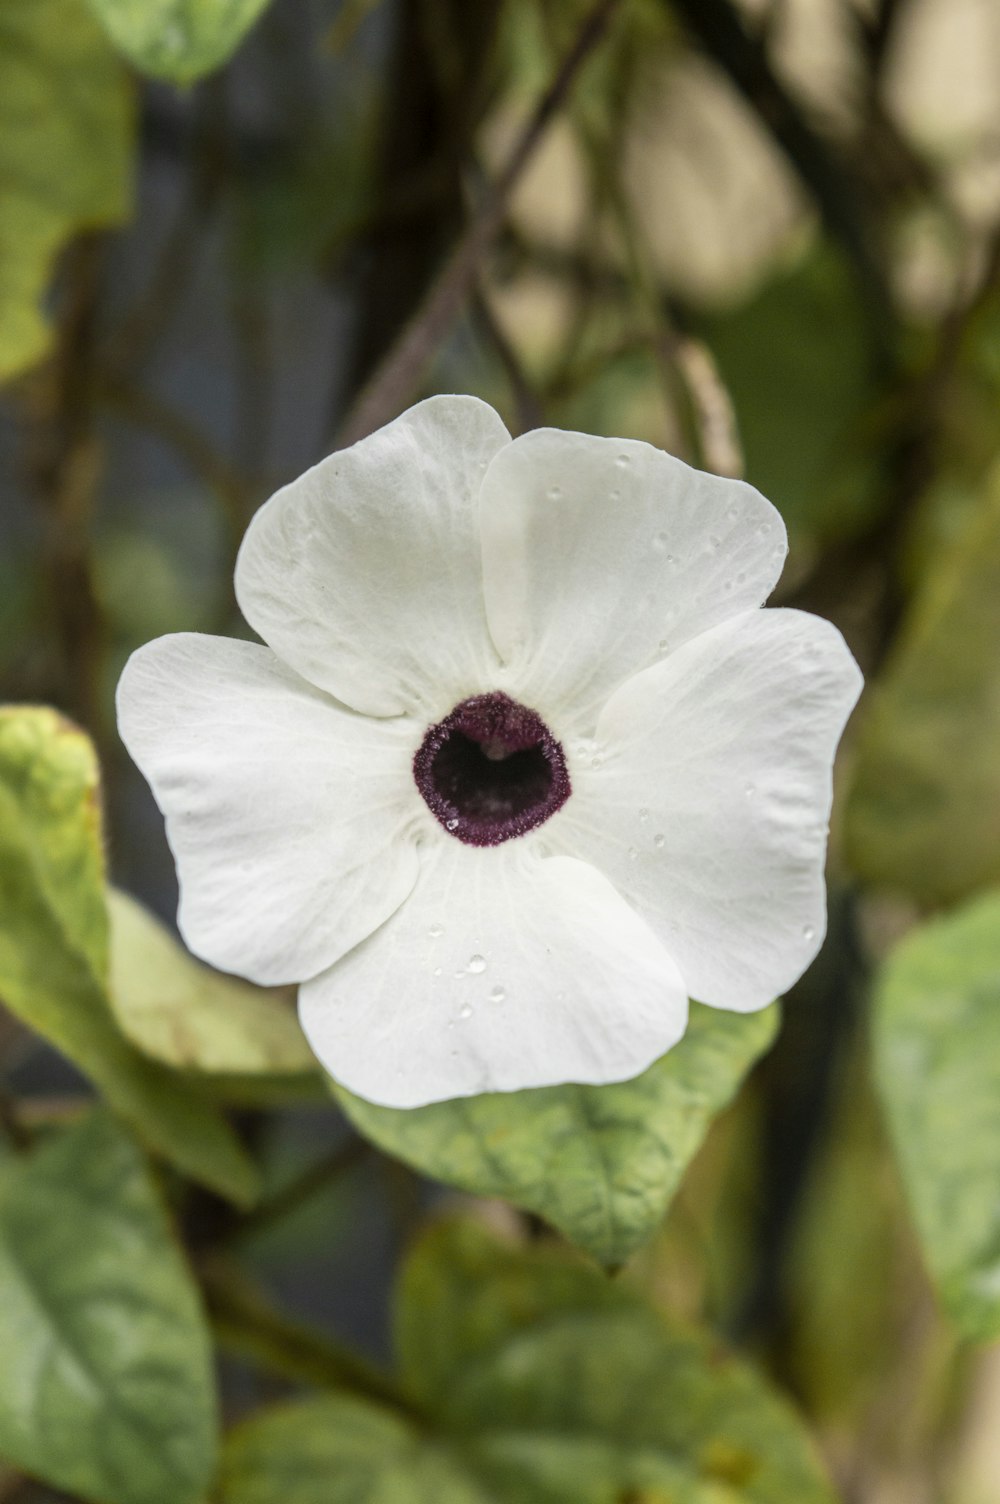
177, 39
66, 138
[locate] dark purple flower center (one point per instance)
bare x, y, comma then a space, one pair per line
491, 770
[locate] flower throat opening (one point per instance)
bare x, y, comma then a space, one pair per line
491, 770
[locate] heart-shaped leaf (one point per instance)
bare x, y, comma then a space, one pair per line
600, 1163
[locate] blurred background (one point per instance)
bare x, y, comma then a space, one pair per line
761, 234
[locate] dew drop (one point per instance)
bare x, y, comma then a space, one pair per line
451, 825
623, 460
664, 643
555, 492
808, 933
632, 853
713, 542
728, 585
497, 995
436, 931
438, 970
465, 1011
477, 964
659, 841
733, 513
644, 815
741, 579
750, 790
660, 542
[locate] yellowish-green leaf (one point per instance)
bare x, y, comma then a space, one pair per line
179, 40
53, 946
924, 813
66, 132
182, 1013
600, 1163
106, 1384
937, 1035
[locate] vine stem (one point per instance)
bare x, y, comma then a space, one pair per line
397, 376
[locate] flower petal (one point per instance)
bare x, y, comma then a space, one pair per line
601, 555
501, 971
709, 803
365, 573
289, 817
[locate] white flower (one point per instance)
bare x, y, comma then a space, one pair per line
522, 766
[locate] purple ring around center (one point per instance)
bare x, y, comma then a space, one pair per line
491, 770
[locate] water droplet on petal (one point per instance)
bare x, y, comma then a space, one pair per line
808, 933
733, 513
623, 460
436, 931
632, 853
750, 790
644, 815
465, 1011
477, 964
660, 542
451, 825
555, 492
438, 970
497, 995
659, 841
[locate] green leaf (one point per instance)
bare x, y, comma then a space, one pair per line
937, 1037
106, 1385
846, 1337
600, 1163
179, 40
66, 131
53, 946
924, 812
339, 1450
802, 397
534, 1381
182, 1013
534, 1345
